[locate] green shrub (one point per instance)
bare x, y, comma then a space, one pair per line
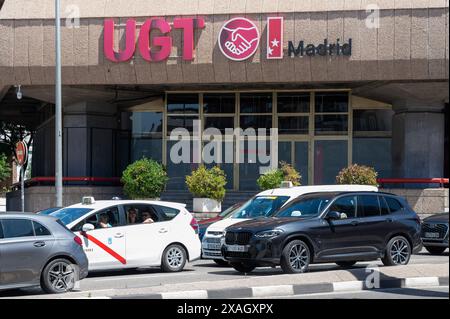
5, 169
290, 174
357, 174
271, 179
207, 183
144, 178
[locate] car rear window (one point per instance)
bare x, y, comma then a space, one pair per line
40, 230
167, 213
393, 204
13, 228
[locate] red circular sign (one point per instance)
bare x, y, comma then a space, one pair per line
21, 153
239, 39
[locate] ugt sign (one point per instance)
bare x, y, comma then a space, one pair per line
159, 48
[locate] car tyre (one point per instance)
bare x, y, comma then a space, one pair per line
398, 252
59, 276
435, 250
345, 264
221, 262
243, 267
295, 257
174, 258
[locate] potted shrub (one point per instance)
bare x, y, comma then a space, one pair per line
144, 179
208, 188
274, 178
357, 174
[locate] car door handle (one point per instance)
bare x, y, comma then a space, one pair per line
118, 235
354, 223
39, 244
163, 230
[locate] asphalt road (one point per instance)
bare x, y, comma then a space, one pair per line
202, 270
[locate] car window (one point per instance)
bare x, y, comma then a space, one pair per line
40, 230
260, 206
383, 206
305, 207
368, 206
166, 213
393, 204
69, 215
13, 228
104, 219
1, 230
141, 214
346, 206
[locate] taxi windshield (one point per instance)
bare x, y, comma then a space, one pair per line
68, 215
260, 206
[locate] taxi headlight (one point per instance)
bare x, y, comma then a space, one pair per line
269, 233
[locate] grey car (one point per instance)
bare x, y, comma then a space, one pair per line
38, 250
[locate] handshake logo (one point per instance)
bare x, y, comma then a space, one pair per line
239, 39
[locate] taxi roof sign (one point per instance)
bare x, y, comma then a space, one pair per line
88, 200
286, 184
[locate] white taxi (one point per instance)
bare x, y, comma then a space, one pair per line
119, 234
263, 204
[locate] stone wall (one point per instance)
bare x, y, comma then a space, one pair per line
425, 202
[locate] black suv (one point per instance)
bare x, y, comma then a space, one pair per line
341, 227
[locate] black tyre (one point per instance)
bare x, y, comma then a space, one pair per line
295, 257
59, 276
435, 250
243, 267
345, 264
398, 252
174, 258
221, 262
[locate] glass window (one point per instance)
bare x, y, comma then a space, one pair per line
306, 206
141, 214
166, 213
394, 205
106, 218
40, 230
183, 103
331, 102
256, 121
302, 160
285, 152
148, 147
219, 103
329, 158
1, 229
293, 103
293, 125
177, 168
220, 123
383, 206
372, 120
331, 124
253, 157
13, 228
68, 215
368, 206
146, 123
256, 103
174, 122
260, 206
374, 152
346, 206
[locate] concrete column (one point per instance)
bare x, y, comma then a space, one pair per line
418, 134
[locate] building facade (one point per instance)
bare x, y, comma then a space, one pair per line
343, 82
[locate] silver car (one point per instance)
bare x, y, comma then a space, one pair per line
38, 250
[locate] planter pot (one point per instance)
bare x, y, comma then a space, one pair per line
206, 205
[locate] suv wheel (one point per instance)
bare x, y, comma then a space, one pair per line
221, 262
174, 258
295, 257
345, 264
398, 252
243, 267
435, 250
59, 276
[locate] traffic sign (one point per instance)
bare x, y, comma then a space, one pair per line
21, 153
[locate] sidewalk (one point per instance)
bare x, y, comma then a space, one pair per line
282, 285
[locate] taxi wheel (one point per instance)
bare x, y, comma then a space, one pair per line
174, 258
59, 276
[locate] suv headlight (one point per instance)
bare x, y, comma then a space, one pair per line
269, 233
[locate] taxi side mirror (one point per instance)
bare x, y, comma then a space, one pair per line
87, 227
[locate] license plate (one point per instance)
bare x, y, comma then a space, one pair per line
432, 235
238, 248
211, 246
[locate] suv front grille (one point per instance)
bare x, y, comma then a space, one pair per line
434, 228
238, 238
